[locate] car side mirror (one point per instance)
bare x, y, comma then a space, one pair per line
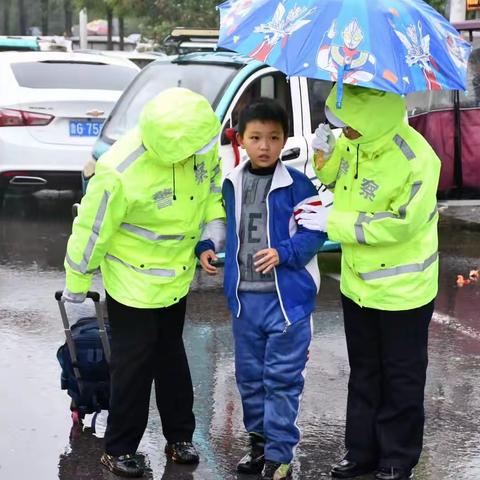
290, 154
224, 138
75, 209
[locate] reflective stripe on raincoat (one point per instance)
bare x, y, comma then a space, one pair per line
145, 207
385, 208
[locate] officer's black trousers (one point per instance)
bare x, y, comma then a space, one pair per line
388, 359
147, 346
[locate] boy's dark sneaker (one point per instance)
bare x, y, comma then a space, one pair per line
254, 460
123, 466
276, 471
182, 452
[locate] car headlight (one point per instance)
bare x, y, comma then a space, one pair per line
89, 168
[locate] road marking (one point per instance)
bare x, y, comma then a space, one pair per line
454, 324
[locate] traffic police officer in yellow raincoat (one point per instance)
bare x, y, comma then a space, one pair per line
153, 194
385, 177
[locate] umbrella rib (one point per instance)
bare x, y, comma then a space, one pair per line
393, 42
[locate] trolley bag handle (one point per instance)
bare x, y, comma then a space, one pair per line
95, 297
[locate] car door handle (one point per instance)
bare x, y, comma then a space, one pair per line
291, 154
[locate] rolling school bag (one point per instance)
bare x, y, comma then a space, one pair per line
84, 359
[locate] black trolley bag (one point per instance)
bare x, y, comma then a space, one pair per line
84, 359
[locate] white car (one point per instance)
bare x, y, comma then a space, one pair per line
52, 107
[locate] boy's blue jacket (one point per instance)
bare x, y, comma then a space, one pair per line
297, 277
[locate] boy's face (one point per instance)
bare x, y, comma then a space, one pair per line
263, 142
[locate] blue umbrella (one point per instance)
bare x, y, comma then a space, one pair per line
399, 46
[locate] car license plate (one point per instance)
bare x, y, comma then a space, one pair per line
85, 128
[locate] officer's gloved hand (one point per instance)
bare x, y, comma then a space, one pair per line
313, 217
324, 140
68, 296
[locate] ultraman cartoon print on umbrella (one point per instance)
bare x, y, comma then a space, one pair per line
348, 56
418, 54
422, 55
283, 24
399, 46
239, 9
454, 45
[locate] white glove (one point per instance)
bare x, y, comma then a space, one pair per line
313, 217
324, 140
68, 296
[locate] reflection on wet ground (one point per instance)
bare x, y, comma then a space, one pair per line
37, 441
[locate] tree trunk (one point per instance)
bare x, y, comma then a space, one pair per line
110, 28
121, 31
6, 17
45, 17
67, 6
22, 16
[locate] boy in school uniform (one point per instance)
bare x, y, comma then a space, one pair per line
271, 282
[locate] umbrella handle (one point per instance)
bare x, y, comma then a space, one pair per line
340, 75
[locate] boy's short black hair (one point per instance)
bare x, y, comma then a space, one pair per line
265, 110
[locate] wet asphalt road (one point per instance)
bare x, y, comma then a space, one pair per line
36, 441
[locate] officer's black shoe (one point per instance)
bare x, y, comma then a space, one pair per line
182, 452
350, 469
276, 471
123, 466
393, 473
254, 460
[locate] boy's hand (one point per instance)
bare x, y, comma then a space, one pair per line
206, 258
268, 258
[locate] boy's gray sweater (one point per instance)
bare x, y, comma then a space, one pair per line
253, 230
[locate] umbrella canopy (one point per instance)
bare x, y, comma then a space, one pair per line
399, 46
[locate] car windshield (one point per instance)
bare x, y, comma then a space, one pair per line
207, 79
75, 75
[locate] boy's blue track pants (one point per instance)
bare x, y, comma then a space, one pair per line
270, 363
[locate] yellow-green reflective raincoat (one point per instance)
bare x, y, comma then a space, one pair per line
145, 207
385, 208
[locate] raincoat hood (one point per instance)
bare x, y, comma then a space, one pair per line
373, 113
176, 124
